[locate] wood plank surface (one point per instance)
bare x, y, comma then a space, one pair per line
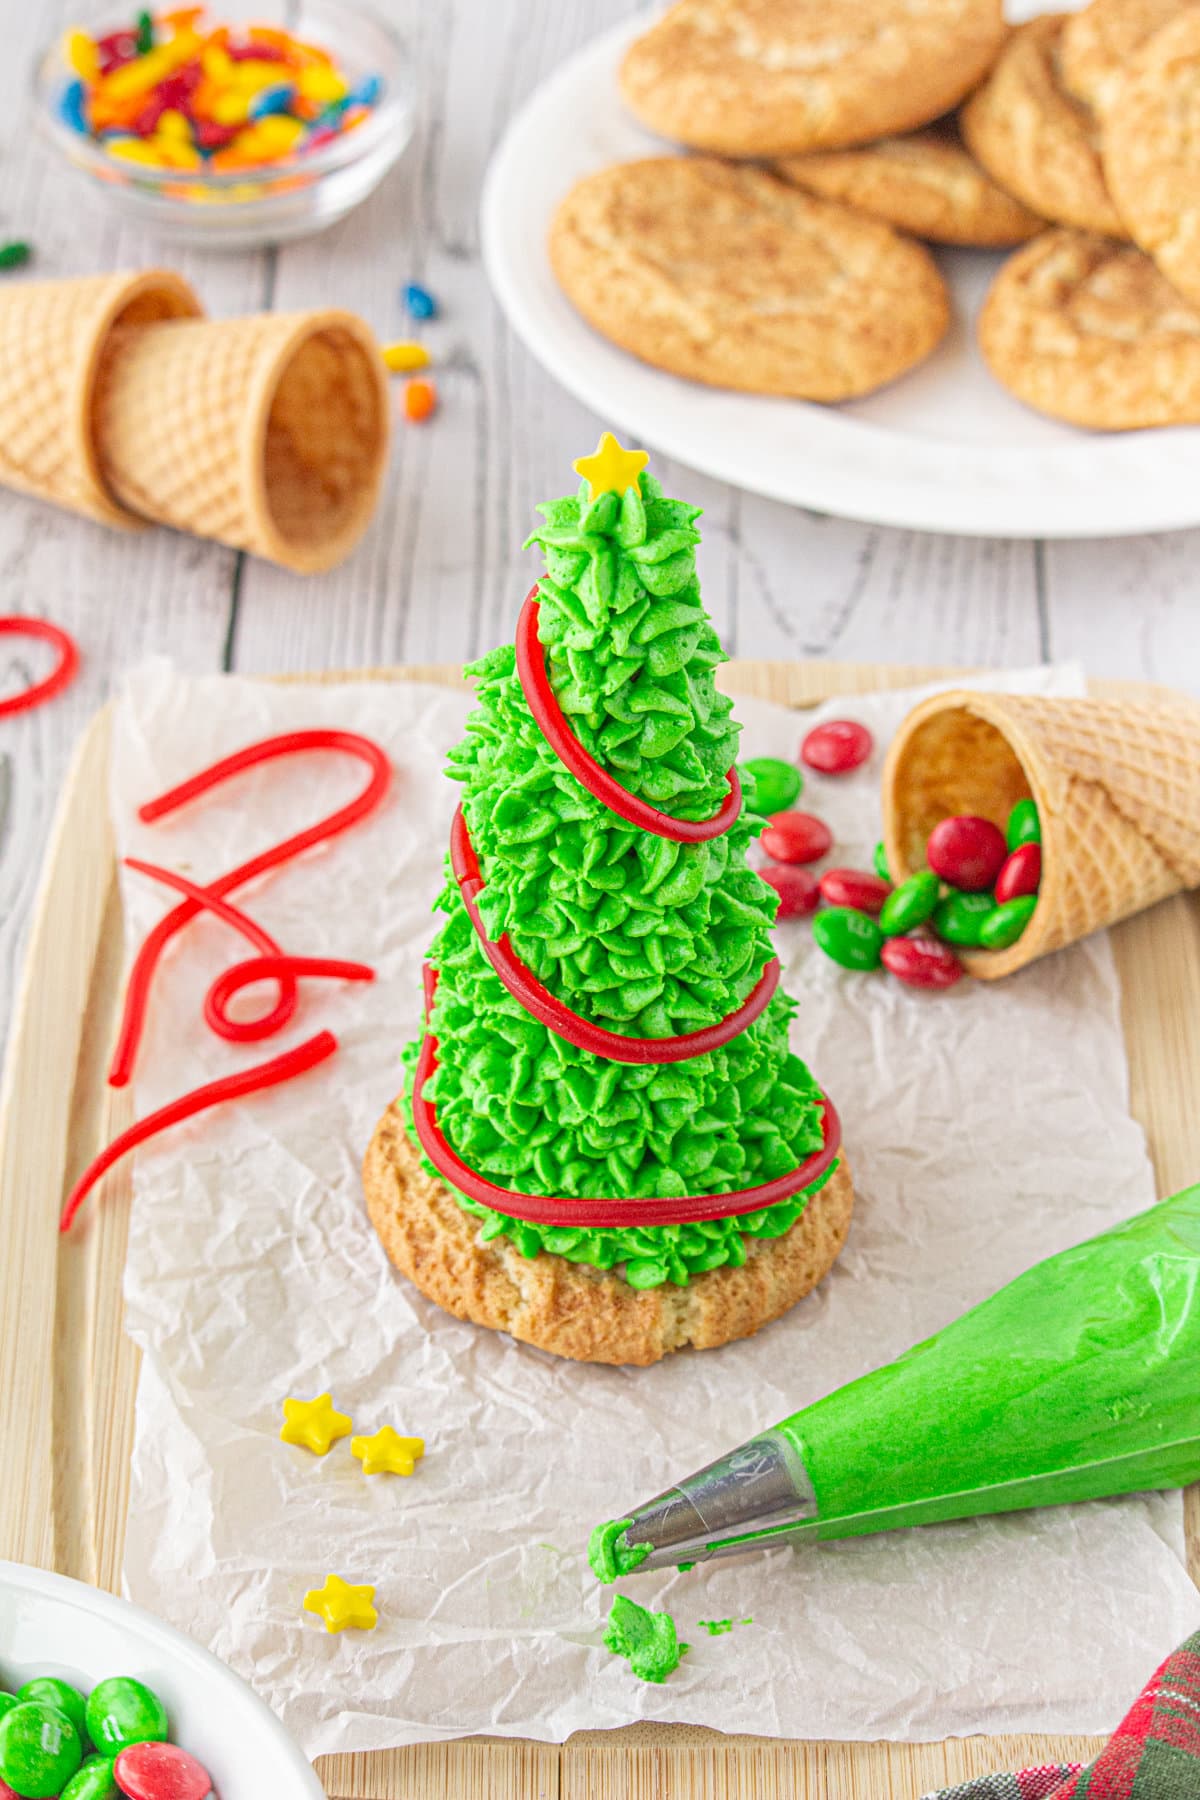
67, 1373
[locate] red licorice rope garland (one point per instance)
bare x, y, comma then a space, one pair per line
596, 1214
551, 721
63, 673
524, 986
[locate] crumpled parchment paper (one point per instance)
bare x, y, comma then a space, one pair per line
987, 1127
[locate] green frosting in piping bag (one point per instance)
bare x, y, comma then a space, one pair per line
639, 934
609, 1556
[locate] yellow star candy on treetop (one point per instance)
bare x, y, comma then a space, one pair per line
387, 1453
611, 469
340, 1604
315, 1424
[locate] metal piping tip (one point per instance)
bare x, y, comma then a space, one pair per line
760, 1486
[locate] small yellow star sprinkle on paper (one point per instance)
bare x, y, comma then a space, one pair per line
387, 1453
314, 1424
611, 468
340, 1604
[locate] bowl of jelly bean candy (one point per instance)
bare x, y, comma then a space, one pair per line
101, 1701
254, 124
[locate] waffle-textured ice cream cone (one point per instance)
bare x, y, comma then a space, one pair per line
268, 433
54, 340
1117, 786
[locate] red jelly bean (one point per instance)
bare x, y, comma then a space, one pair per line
856, 888
968, 852
837, 747
922, 962
1021, 874
161, 1772
799, 892
796, 837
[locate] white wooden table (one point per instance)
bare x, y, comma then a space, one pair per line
441, 573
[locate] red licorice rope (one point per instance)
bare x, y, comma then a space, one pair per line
551, 721
230, 1087
288, 744
523, 985
63, 673
537, 1209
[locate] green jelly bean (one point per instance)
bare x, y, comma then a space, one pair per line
15, 254
50, 1691
7, 1702
39, 1750
881, 862
851, 938
94, 1781
776, 784
959, 917
1004, 924
1024, 825
123, 1711
910, 904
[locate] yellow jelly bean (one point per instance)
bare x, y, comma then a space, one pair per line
80, 53
135, 150
277, 133
175, 154
145, 72
216, 64
319, 82
174, 124
401, 358
231, 108
253, 75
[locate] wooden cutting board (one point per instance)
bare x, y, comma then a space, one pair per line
68, 1373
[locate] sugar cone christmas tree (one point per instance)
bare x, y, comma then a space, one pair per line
634, 933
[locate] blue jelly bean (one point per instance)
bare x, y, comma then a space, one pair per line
419, 301
367, 92
270, 100
70, 107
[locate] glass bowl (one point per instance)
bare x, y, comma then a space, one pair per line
249, 207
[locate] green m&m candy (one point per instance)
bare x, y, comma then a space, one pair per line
776, 784
1004, 924
39, 1750
93, 1781
910, 904
959, 917
880, 861
851, 938
7, 1702
50, 1691
1024, 826
123, 1711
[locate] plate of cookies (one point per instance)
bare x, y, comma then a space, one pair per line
907, 261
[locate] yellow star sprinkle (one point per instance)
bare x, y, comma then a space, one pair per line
611, 468
314, 1424
387, 1453
340, 1604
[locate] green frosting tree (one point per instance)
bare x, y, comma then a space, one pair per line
640, 934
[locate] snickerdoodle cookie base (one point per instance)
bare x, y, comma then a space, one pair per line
1090, 331
726, 275
926, 183
1035, 139
1097, 43
779, 77
571, 1308
1152, 150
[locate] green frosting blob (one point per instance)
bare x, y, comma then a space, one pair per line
637, 933
609, 1557
647, 1639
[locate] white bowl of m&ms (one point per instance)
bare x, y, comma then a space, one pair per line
227, 126
101, 1701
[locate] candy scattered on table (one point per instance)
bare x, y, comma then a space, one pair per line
910, 904
854, 887
419, 302
401, 358
172, 91
15, 254
420, 401
850, 938
152, 1771
921, 962
314, 1424
387, 1453
836, 747
342, 1605
776, 784
1004, 924
799, 891
796, 837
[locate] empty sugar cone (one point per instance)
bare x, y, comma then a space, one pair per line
268, 433
55, 337
1117, 787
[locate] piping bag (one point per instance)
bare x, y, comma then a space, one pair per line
1078, 1380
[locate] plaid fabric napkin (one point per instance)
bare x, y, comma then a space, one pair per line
1154, 1754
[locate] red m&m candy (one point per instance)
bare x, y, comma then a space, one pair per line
1021, 873
161, 1772
921, 962
799, 894
854, 887
796, 837
966, 851
837, 746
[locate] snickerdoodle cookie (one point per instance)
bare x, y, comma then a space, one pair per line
1035, 139
571, 1308
1098, 42
927, 183
1152, 150
726, 275
1090, 331
778, 77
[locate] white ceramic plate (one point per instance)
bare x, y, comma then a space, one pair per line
52, 1626
943, 449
